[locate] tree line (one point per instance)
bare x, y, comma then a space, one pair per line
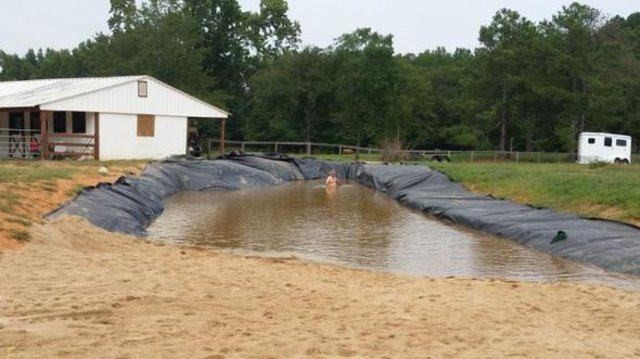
528, 86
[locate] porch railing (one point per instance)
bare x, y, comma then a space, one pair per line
21, 143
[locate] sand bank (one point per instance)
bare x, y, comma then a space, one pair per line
76, 291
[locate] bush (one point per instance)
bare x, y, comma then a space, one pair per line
392, 151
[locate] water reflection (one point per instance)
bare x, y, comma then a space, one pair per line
358, 227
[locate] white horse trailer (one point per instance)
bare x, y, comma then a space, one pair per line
604, 147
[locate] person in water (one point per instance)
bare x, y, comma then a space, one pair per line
332, 180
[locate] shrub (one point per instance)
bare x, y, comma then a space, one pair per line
392, 151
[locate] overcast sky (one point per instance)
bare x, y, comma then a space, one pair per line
416, 24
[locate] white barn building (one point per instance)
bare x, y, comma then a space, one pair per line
133, 117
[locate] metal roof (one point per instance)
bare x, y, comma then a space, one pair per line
32, 93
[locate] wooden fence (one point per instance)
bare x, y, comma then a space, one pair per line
372, 153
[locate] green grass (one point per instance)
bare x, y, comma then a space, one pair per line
11, 171
374, 157
609, 191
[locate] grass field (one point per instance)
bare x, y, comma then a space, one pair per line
608, 191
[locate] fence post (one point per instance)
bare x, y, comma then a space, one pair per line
242, 146
517, 156
538, 156
340, 149
275, 146
44, 135
471, 156
308, 148
209, 148
495, 156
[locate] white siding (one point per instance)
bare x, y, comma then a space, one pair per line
123, 98
119, 137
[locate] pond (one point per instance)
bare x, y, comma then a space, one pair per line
357, 227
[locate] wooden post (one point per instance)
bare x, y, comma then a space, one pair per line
275, 147
44, 135
517, 156
495, 156
242, 146
209, 148
96, 138
223, 129
471, 156
308, 148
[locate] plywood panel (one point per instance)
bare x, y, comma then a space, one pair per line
146, 125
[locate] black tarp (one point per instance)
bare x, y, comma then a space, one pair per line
131, 204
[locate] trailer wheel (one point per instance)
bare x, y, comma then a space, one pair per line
617, 161
625, 162
436, 159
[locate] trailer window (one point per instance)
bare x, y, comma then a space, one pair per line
621, 143
608, 141
592, 141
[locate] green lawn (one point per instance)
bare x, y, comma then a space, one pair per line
12, 171
609, 191
30, 171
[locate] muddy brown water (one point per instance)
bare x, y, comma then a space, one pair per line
357, 227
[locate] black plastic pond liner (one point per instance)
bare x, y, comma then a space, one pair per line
131, 204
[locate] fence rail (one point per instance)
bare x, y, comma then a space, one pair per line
27, 144
412, 155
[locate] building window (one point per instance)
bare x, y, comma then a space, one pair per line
59, 122
592, 141
79, 122
16, 122
146, 125
143, 89
621, 143
608, 142
34, 121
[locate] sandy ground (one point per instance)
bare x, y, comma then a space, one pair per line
35, 198
77, 291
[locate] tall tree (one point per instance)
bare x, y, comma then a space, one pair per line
572, 33
504, 42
